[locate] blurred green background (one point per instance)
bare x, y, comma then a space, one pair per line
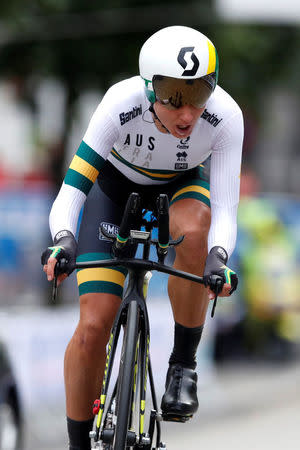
57, 58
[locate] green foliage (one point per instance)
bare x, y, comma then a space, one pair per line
251, 57
254, 57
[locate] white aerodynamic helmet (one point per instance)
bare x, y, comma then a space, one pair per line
179, 66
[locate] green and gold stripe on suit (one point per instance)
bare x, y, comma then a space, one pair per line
100, 279
154, 174
84, 168
197, 188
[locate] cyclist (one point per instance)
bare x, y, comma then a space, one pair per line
153, 133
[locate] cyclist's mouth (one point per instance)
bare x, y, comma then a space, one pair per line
183, 130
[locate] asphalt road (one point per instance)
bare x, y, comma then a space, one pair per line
241, 408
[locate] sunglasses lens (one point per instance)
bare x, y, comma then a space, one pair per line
174, 93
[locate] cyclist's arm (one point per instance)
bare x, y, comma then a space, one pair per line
82, 173
225, 184
224, 190
98, 141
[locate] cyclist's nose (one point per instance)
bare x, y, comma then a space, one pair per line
187, 113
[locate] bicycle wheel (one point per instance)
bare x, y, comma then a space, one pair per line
126, 377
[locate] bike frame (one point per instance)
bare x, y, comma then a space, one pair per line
136, 292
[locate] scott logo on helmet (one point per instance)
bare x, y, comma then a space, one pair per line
183, 63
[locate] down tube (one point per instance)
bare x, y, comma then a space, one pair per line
126, 376
145, 343
111, 350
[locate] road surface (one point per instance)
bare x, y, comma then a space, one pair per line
241, 408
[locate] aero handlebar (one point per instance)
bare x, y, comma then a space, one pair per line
131, 218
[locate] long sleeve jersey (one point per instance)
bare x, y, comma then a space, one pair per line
122, 130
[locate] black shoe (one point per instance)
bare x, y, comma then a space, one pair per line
180, 401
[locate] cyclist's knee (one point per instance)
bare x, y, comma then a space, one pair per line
192, 221
193, 251
97, 312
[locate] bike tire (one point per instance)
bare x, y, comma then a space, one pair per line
126, 375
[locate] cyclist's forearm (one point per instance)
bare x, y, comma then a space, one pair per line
223, 229
225, 185
65, 210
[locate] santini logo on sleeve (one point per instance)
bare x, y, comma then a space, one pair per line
211, 118
134, 112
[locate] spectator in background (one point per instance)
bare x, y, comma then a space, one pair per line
268, 260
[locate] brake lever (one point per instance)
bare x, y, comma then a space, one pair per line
56, 273
54, 285
214, 306
54, 289
218, 289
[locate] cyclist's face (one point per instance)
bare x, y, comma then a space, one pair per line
181, 121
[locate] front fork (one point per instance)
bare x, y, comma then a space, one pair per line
143, 440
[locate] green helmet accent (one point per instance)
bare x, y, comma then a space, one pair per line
149, 91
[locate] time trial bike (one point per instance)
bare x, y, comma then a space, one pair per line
120, 411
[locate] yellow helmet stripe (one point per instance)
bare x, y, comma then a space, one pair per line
211, 58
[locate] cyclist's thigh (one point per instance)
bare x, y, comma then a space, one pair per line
92, 245
190, 203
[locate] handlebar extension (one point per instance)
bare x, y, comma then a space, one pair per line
162, 205
130, 216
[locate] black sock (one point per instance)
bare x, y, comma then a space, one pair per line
186, 341
79, 434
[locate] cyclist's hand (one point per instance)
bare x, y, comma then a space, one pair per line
64, 251
216, 265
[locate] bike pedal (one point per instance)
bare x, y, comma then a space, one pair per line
175, 418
